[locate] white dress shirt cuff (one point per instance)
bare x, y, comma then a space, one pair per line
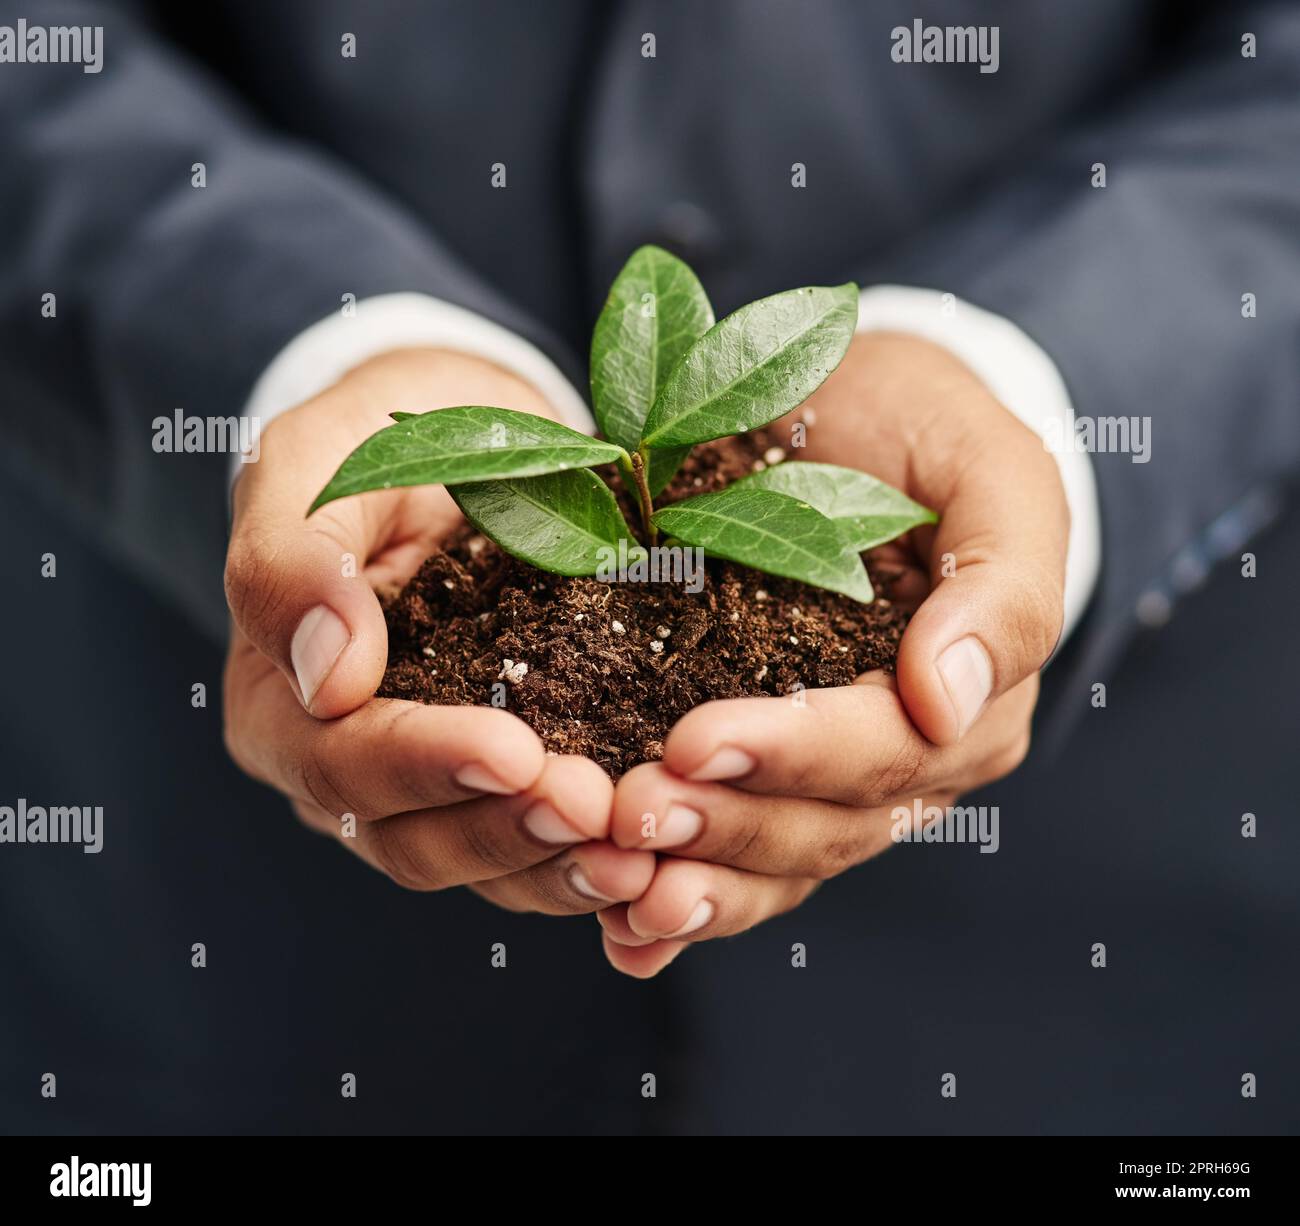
319, 356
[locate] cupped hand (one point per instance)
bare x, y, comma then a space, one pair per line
758, 800
432, 796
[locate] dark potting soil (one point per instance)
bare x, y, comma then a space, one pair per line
606, 669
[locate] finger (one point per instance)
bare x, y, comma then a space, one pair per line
590, 877
644, 962
640, 957
386, 757
853, 744
614, 922
657, 810
689, 900
489, 838
998, 567
493, 837
297, 590
849, 744
904, 585
297, 586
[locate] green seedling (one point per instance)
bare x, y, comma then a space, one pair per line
664, 377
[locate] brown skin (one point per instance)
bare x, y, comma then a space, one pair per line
393, 764
825, 774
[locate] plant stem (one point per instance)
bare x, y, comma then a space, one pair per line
643, 495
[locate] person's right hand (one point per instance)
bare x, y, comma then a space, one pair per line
438, 796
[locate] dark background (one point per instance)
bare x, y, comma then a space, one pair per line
371, 176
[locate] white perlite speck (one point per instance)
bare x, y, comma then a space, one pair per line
662, 631
774, 455
656, 646
428, 651
512, 672
617, 627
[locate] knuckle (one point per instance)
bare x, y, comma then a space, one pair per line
407, 759
486, 847
836, 857
807, 774
238, 577
550, 893
899, 774
335, 525
1042, 615
317, 783
1052, 620
400, 860
255, 590
742, 844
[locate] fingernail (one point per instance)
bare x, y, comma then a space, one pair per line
478, 778
319, 641
544, 823
681, 824
699, 917
967, 674
580, 882
726, 763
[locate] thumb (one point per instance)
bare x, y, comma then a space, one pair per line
297, 589
994, 613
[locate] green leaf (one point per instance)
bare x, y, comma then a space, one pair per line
560, 522
756, 365
467, 443
655, 311
771, 532
867, 511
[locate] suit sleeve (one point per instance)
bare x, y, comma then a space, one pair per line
166, 294
1137, 292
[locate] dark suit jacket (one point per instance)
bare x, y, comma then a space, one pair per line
328, 175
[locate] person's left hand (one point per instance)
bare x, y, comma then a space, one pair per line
761, 799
